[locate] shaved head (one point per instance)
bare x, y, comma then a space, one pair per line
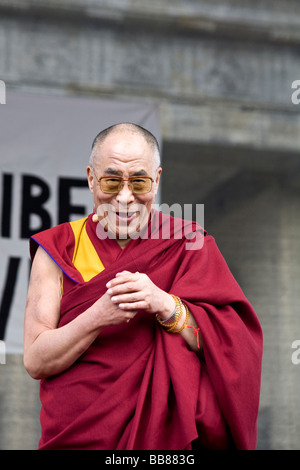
127, 128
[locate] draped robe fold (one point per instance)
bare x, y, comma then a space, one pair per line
138, 386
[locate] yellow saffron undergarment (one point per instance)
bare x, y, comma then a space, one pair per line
85, 257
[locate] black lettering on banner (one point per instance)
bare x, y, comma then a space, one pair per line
33, 204
7, 180
66, 209
8, 292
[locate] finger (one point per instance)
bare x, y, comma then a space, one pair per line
128, 319
128, 298
130, 315
140, 305
123, 279
123, 272
123, 288
120, 279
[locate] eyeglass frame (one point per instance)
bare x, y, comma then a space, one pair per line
123, 180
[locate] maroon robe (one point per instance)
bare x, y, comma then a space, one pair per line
139, 387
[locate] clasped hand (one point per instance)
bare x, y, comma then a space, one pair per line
136, 291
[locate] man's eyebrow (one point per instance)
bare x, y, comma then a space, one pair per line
111, 171
139, 173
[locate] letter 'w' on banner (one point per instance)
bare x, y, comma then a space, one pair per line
2, 92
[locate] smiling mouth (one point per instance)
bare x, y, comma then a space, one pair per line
126, 216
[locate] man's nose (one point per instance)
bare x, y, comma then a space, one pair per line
125, 196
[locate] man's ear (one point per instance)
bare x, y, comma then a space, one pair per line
90, 178
156, 182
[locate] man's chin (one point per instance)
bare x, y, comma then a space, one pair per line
129, 232
125, 231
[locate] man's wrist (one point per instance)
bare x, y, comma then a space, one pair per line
178, 320
168, 309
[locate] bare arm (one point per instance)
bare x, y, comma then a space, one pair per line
49, 350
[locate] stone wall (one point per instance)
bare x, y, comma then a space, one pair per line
220, 73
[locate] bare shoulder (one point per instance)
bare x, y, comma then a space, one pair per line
46, 275
43, 263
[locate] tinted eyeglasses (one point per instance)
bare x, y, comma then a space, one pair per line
136, 184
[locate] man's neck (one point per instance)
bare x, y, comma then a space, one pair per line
122, 242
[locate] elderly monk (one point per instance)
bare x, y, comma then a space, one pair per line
139, 340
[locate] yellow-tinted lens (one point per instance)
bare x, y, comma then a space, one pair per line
110, 185
140, 185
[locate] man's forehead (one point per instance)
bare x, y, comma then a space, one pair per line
118, 160
124, 151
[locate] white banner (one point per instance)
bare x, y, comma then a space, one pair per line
45, 143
